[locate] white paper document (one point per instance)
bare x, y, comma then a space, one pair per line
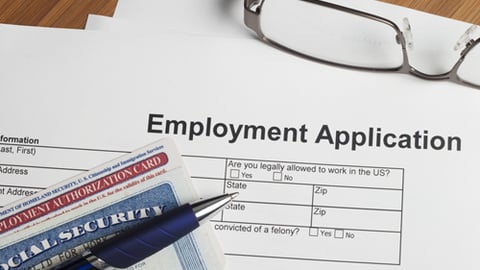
220, 18
336, 168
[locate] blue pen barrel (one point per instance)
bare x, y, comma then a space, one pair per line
148, 238
79, 263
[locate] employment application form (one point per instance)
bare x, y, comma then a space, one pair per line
336, 169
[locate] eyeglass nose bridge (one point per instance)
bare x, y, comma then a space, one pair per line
405, 39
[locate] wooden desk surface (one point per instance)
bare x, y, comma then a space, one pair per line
73, 13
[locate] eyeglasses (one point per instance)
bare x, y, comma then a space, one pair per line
346, 37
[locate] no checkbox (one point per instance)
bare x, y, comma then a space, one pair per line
339, 233
313, 232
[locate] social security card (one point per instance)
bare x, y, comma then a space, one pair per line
61, 222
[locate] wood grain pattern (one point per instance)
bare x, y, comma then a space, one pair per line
53, 13
73, 13
464, 10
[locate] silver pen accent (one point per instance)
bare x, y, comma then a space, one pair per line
206, 209
95, 261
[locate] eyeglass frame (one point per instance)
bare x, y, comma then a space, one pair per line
252, 12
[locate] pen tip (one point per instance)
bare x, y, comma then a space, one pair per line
234, 195
206, 208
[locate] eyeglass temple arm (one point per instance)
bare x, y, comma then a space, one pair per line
251, 16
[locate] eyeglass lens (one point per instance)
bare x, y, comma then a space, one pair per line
469, 71
332, 35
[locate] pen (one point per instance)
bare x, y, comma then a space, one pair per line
150, 237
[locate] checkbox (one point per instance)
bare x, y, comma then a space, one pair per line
339, 234
277, 176
313, 232
234, 173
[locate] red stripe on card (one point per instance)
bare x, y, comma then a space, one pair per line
84, 191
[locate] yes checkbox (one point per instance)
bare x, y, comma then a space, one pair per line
234, 173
